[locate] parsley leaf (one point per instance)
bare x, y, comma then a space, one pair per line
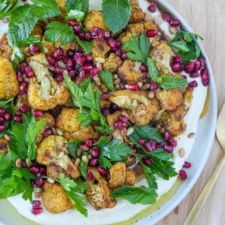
152, 70
106, 78
24, 136
3, 104
83, 169
76, 14
170, 82
80, 5
185, 44
75, 191
57, 31
138, 48
116, 14
88, 100
150, 177
141, 195
73, 147
7, 7
85, 45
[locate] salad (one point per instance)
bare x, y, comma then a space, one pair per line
93, 101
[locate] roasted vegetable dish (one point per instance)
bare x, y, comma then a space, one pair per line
92, 102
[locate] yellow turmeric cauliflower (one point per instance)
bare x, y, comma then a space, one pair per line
112, 63
44, 92
100, 48
67, 121
9, 86
52, 151
55, 198
5, 50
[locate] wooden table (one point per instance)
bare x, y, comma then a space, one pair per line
207, 19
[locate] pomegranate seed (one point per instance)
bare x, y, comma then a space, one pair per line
2, 127
187, 165
172, 142
25, 108
150, 146
72, 22
101, 33
89, 142
95, 71
123, 119
2, 112
36, 203
197, 66
58, 54
23, 67
167, 136
113, 108
132, 87
118, 52
51, 60
114, 43
35, 49
189, 68
177, 59
195, 75
152, 33
123, 56
202, 62
40, 182
17, 118
175, 22
153, 86
143, 68
38, 113
59, 78
82, 74
102, 171
23, 88
182, 175
95, 152
2, 120
81, 34
105, 111
87, 36
167, 17
70, 53
70, 63
72, 73
141, 141
47, 132
148, 161
168, 148
89, 58
87, 68
94, 32
153, 7
80, 60
93, 162
37, 211
205, 77
177, 68
193, 84
90, 176
118, 125
77, 29
106, 96
34, 169
19, 76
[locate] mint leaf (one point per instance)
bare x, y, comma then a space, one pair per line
160, 154
134, 195
3, 104
7, 7
106, 78
116, 14
81, 5
85, 45
83, 169
138, 48
73, 147
150, 177
170, 82
57, 31
76, 14
152, 70
75, 191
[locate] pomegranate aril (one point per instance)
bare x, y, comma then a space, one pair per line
105, 111
169, 148
189, 68
141, 141
90, 176
187, 165
87, 68
150, 146
2, 127
19, 76
123, 56
118, 125
167, 17
148, 161
152, 33
38, 113
153, 86
77, 29
95, 152
197, 66
2, 120
72, 22
47, 132
167, 136
94, 71
123, 118
25, 108
37, 211
87, 36
182, 175
36, 203
51, 60
153, 7
35, 49
58, 54
18, 118
102, 171
193, 84
132, 87
23, 88
177, 68
143, 68
175, 23
177, 59
93, 162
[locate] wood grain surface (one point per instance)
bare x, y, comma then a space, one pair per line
207, 19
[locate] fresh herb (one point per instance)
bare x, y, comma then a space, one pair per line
138, 48
152, 70
83, 169
76, 14
85, 45
106, 78
80, 5
116, 14
7, 7
57, 31
88, 100
3, 104
150, 176
185, 44
75, 191
170, 82
24, 136
141, 195
112, 151
73, 147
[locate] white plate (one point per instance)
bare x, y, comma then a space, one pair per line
198, 156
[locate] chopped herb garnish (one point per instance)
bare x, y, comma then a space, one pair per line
170, 82
106, 78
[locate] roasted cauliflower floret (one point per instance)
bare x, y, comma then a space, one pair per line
3, 145
117, 175
94, 19
9, 86
100, 48
54, 171
130, 72
44, 92
49, 119
137, 14
52, 151
5, 50
112, 63
98, 192
170, 99
162, 56
67, 121
130, 177
143, 110
61, 4
55, 198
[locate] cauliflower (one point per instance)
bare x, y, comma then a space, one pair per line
100, 48
52, 151
98, 192
94, 19
44, 93
143, 110
49, 119
68, 123
9, 86
112, 63
130, 72
54, 171
5, 50
137, 15
170, 99
3, 145
162, 56
117, 175
130, 177
55, 198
